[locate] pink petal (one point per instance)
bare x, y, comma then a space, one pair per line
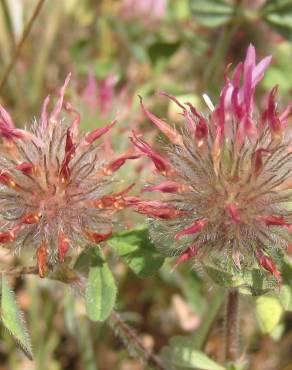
258, 71
117, 163
169, 132
97, 133
165, 187
268, 264
196, 227
161, 164
185, 256
54, 116
233, 213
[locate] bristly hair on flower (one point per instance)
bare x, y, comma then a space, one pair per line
55, 189
225, 177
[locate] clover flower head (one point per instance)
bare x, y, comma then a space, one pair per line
55, 186
225, 178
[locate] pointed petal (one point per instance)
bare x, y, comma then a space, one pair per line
117, 163
97, 133
173, 98
41, 260
54, 116
161, 164
268, 264
185, 256
63, 246
168, 131
233, 212
196, 227
165, 187
96, 237
259, 70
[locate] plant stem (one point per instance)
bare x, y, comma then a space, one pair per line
21, 43
21, 270
115, 321
231, 322
119, 324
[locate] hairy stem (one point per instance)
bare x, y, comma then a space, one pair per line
21, 42
231, 329
127, 334
120, 327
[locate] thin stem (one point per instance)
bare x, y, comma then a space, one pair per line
21, 42
119, 324
231, 329
211, 71
115, 321
21, 270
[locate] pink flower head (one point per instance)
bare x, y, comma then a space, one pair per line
224, 178
54, 183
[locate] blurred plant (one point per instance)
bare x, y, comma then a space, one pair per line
148, 12
226, 180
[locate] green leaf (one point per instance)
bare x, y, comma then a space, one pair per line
268, 312
278, 13
211, 13
101, 289
137, 250
162, 50
250, 281
12, 319
285, 297
180, 355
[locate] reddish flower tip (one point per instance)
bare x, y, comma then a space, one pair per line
185, 256
193, 229
268, 264
164, 127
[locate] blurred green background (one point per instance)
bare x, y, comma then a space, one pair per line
115, 51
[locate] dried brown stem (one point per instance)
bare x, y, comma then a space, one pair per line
21, 42
231, 329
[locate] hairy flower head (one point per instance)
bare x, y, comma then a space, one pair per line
225, 179
54, 185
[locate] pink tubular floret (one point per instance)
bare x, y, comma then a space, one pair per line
161, 164
268, 264
169, 132
196, 227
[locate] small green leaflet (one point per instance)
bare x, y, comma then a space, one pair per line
12, 319
268, 312
101, 290
137, 250
211, 13
278, 13
180, 355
